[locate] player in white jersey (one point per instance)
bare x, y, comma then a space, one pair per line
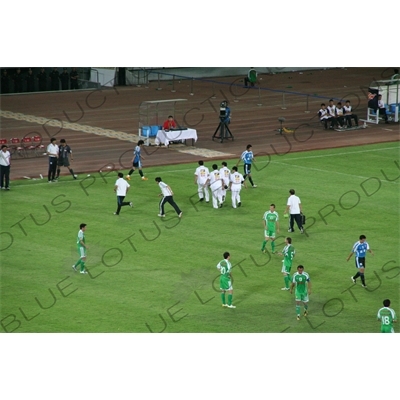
201, 179
235, 184
224, 173
216, 184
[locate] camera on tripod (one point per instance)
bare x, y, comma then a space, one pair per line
222, 110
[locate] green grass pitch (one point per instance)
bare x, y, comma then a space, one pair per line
159, 275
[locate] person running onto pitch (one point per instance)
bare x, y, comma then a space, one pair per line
121, 188
82, 247
248, 158
387, 316
301, 280
167, 197
137, 161
360, 249
225, 280
271, 227
288, 253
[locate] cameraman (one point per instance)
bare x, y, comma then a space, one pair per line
225, 113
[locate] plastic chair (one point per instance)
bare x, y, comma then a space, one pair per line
16, 147
39, 147
28, 145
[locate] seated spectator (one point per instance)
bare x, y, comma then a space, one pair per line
382, 109
340, 114
251, 77
169, 123
324, 117
332, 113
348, 114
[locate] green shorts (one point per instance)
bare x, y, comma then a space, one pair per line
225, 283
301, 297
387, 329
82, 251
270, 234
286, 268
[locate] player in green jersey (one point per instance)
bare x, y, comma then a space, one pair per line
271, 227
225, 280
81, 249
387, 316
288, 253
301, 280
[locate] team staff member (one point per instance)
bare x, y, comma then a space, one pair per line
52, 152
360, 249
294, 207
248, 158
167, 194
121, 189
5, 168
169, 123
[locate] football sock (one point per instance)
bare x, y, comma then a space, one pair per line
229, 299
58, 172
297, 310
305, 307
356, 275
78, 262
223, 298
273, 246
263, 245
71, 171
131, 172
251, 181
82, 266
286, 279
141, 173
362, 279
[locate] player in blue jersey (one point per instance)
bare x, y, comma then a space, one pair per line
360, 249
137, 161
247, 157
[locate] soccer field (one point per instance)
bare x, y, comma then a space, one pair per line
148, 274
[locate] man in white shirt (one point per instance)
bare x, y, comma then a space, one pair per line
52, 152
235, 185
216, 184
224, 173
121, 189
201, 177
167, 197
295, 209
4, 168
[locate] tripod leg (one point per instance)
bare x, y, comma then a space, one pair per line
228, 130
216, 131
